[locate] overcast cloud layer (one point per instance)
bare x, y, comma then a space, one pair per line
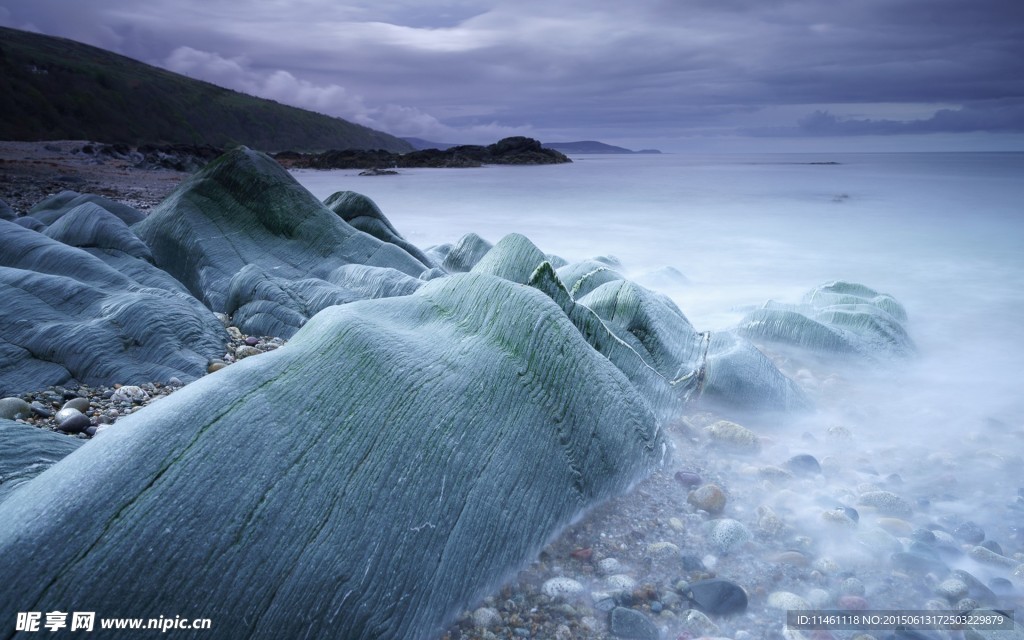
673, 74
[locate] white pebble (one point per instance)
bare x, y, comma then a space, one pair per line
620, 582
609, 566
561, 588
787, 601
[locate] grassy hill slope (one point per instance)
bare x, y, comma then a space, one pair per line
53, 89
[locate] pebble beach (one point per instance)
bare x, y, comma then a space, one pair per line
749, 519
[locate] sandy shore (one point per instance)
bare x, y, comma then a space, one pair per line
31, 171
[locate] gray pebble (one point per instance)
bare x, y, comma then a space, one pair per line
74, 421
14, 408
627, 623
82, 404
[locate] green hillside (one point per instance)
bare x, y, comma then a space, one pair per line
58, 89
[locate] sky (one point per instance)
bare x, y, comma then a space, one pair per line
676, 75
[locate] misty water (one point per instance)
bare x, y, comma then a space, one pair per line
944, 430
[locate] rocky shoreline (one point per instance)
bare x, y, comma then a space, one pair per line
746, 521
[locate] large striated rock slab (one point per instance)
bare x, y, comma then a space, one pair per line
69, 316
388, 465
243, 211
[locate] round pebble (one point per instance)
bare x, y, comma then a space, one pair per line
717, 596
786, 601
620, 582
852, 587
688, 478
486, 617
81, 404
804, 464
728, 535
886, 502
734, 437
609, 566
562, 588
245, 351
129, 393
73, 421
852, 603
951, 588
969, 532
708, 497
216, 365
663, 548
698, 624
252, 341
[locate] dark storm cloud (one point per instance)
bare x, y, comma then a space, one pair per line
473, 69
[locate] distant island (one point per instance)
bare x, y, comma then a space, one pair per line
581, 147
592, 146
515, 150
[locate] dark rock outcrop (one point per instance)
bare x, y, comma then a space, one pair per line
514, 150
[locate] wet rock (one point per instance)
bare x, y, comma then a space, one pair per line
992, 546
609, 566
804, 464
216, 365
244, 351
852, 603
561, 588
486, 617
14, 408
663, 548
708, 497
692, 563
82, 404
951, 588
688, 478
26, 451
917, 563
620, 582
73, 421
969, 532
786, 600
989, 557
129, 394
698, 625
727, 535
717, 596
768, 521
41, 410
852, 587
886, 502
840, 516
627, 623
925, 536
733, 437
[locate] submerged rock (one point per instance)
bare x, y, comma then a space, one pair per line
487, 389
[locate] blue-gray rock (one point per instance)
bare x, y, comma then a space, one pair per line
837, 317
717, 596
969, 531
69, 316
91, 226
363, 213
6, 212
72, 421
14, 408
51, 209
804, 464
362, 502
29, 222
464, 254
243, 232
27, 451
628, 623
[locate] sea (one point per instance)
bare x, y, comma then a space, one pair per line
941, 232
